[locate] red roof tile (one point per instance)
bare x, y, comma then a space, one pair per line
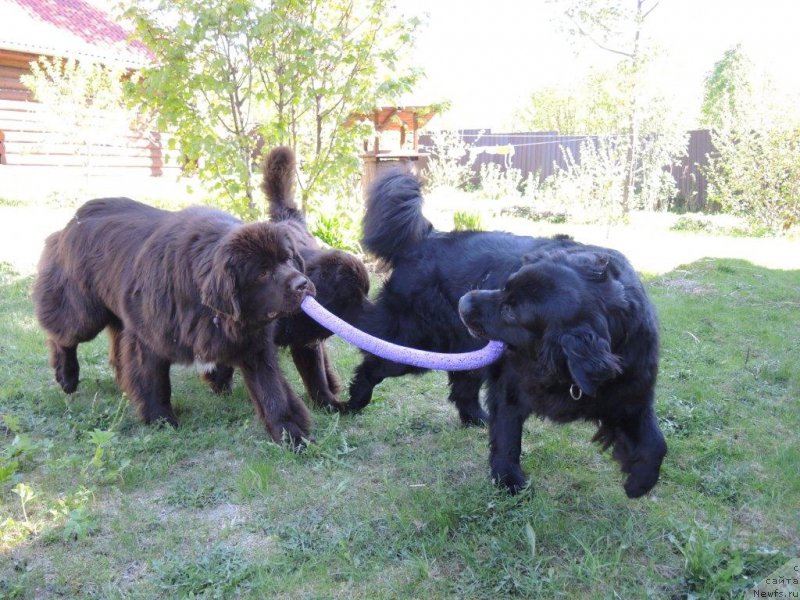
70, 28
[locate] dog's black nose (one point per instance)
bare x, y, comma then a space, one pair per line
299, 284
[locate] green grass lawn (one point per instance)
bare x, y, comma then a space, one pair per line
396, 502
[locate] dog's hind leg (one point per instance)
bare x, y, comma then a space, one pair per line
465, 387
219, 379
114, 331
370, 373
63, 344
334, 383
64, 360
144, 376
313, 366
69, 316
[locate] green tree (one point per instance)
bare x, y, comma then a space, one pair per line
591, 107
755, 169
616, 26
231, 76
729, 91
550, 109
755, 173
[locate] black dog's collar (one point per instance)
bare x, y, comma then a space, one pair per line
575, 392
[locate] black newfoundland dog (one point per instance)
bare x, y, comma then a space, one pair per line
430, 271
582, 342
340, 279
193, 286
419, 307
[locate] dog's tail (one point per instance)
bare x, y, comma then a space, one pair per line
278, 185
393, 221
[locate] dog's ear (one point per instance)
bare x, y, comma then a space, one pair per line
589, 358
219, 292
532, 257
592, 265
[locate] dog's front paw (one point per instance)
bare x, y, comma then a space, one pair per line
67, 380
160, 417
641, 478
294, 434
510, 476
329, 402
348, 407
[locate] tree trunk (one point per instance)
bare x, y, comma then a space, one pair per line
633, 122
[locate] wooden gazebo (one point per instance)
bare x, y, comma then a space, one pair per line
407, 120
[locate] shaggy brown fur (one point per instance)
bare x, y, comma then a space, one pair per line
173, 287
340, 278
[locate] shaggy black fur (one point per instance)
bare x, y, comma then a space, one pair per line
418, 307
431, 270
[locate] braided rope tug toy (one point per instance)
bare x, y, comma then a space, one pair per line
464, 361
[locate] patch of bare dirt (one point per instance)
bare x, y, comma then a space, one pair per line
685, 286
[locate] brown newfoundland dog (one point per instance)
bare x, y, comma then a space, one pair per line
193, 286
340, 279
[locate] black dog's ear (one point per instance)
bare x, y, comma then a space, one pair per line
532, 257
219, 292
589, 358
593, 265
552, 254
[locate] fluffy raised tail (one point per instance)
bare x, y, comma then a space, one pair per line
278, 185
393, 221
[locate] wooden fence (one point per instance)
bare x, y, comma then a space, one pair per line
543, 151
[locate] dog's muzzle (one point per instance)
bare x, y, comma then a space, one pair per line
466, 311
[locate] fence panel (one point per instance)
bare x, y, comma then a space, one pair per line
540, 152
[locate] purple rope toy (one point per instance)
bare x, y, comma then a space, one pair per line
465, 361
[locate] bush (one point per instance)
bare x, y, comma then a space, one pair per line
466, 221
711, 226
591, 188
335, 219
756, 175
449, 164
498, 182
86, 106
